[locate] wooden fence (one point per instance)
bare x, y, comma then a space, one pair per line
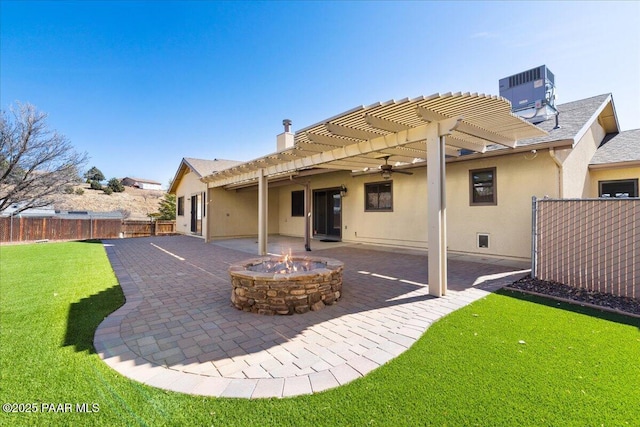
588, 243
132, 228
33, 229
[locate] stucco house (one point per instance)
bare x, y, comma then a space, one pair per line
191, 193
458, 169
144, 184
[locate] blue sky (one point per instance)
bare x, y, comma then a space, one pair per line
139, 85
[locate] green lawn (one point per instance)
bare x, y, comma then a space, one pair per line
507, 360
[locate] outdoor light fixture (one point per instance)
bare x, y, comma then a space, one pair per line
343, 190
387, 169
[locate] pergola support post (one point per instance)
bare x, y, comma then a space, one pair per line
307, 216
263, 208
436, 216
437, 205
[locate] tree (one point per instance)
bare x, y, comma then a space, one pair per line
115, 185
36, 162
94, 174
167, 209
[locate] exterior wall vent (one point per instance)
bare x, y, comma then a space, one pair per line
532, 93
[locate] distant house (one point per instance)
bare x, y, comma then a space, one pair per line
144, 184
191, 192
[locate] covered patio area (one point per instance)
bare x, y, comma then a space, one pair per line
422, 131
178, 330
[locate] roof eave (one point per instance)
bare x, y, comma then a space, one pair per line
561, 143
616, 165
578, 136
178, 176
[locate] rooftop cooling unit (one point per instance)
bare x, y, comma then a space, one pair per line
532, 93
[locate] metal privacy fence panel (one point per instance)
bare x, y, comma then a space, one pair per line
588, 243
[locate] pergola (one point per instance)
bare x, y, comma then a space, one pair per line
411, 130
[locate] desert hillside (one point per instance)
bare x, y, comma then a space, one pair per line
133, 202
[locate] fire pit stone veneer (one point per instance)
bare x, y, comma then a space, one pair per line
257, 289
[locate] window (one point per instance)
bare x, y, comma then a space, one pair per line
619, 188
297, 203
379, 196
482, 183
181, 205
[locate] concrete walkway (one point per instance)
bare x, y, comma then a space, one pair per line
178, 331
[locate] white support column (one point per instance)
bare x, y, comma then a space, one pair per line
206, 229
437, 205
436, 217
307, 216
263, 208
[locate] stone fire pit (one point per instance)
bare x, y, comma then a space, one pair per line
289, 285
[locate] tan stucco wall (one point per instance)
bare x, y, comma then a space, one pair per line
597, 175
508, 224
235, 213
519, 177
294, 226
405, 226
367, 227
188, 186
288, 225
576, 181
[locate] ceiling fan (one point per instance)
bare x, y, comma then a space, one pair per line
387, 169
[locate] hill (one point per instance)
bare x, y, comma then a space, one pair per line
133, 202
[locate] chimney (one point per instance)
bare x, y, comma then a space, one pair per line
285, 139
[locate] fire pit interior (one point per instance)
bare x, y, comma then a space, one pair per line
287, 285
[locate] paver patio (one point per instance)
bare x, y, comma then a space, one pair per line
178, 330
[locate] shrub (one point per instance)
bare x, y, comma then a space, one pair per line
68, 189
115, 185
108, 191
167, 208
95, 185
94, 174
79, 191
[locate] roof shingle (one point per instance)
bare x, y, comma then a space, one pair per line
204, 167
572, 118
622, 147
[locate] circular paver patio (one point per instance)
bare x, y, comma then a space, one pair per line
178, 330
